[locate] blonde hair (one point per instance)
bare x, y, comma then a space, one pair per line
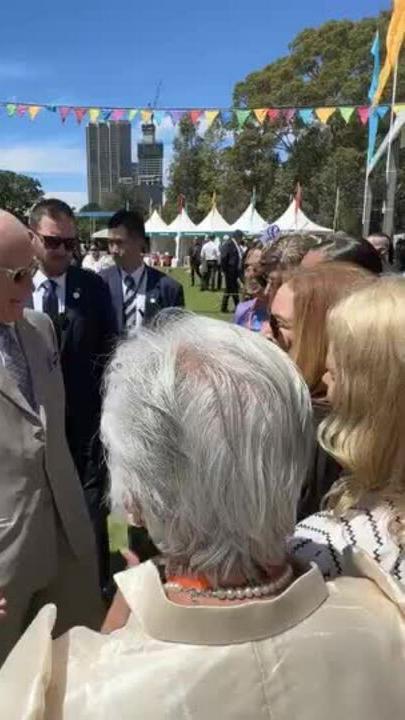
365, 432
316, 290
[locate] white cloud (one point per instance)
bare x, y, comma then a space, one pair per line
44, 158
74, 199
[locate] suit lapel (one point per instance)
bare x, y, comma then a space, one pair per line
27, 336
152, 299
72, 298
117, 296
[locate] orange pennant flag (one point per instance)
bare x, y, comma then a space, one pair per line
395, 38
146, 116
324, 113
94, 114
261, 114
33, 111
210, 116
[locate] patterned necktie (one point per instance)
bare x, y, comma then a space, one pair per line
50, 302
130, 301
16, 364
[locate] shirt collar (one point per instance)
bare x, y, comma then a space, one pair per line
169, 622
136, 275
40, 279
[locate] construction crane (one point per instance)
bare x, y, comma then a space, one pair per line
153, 105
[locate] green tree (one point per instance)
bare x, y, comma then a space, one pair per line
18, 193
185, 172
128, 196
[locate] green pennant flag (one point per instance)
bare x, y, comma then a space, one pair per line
242, 116
11, 109
346, 113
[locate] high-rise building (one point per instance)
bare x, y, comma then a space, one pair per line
109, 157
150, 164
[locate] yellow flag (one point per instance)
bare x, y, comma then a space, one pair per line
399, 108
33, 111
261, 114
324, 113
210, 116
94, 114
395, 38
146, 116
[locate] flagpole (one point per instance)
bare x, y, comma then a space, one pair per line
394, 96
337, 207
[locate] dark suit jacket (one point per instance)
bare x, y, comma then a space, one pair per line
87, 331
230, 258
161, 292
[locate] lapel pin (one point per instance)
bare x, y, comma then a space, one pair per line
76, 294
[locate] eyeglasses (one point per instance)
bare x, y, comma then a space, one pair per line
20, 274
53, 242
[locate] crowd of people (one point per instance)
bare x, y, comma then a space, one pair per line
259, 462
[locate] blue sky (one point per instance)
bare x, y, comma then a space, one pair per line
115, 53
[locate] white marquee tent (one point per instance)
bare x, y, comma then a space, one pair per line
294, 220
213, 224
155, 225
250, 222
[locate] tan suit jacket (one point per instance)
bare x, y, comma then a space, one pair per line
46, 542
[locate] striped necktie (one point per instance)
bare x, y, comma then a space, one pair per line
130, 301
16, 364
50, 302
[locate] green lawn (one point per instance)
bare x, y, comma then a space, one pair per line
204, 303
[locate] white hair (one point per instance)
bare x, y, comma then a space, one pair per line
207, 428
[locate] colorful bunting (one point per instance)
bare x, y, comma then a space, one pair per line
210, 116
105, 115
131, 114
177, 115
11, 109
146, 116
382, 110
117, 115
261, 114
306, 115
21, 110
289, 114
195, 116
33, 111
273, 114
64, 112
94, 114
346, 113
399, 108
324, 113
363, 113
242, 116
158, 116
80, 114
226, 116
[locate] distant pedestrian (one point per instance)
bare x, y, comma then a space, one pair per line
210, 256
231, 261
195, 260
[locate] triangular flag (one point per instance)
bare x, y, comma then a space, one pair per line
261, 114
210, 116
226, 116
51, 108
105, 114
324, 113
21, 110
306, 115
195, 116
399, 108
79, 113
382, 110
94, 114
64, 112
177, 115
131, 114
11, 109
158, 116
346, 113
289, 114
273, 114
363, 113
146, 116
117, 114
242, 116
33, 111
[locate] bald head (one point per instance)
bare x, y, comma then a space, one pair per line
16, 252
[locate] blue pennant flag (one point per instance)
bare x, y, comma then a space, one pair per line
226, 116
375, 52
306, 115
374, 113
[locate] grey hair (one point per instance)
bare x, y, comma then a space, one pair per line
207, 428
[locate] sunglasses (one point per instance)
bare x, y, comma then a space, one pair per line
53, 242
20, 274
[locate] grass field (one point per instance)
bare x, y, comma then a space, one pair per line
204, 303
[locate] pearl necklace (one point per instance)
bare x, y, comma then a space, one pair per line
237, 593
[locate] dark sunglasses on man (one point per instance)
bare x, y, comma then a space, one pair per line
53, 242
20, 274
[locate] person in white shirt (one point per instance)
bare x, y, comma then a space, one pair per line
210, 257
92, 260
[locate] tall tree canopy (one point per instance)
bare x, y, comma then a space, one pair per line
18, 193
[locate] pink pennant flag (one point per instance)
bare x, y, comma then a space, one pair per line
21, 110
289, 114
363, 113
117, 115
195, 116
80, 114
273, 114
64, 112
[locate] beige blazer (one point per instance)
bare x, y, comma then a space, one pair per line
319, 651
40, 495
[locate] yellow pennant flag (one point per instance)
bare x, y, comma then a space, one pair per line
146, 116
94, 114
399, 108
210, 116
33, 111
261, 114
395, 38
324, 113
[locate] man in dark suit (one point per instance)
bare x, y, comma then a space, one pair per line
231, 263
138, 291
79, 304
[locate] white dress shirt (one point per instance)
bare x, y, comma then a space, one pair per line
39, 282
140, 276
209, 251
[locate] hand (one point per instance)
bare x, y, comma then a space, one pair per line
131, 558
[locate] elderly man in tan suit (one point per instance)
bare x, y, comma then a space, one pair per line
46, 544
